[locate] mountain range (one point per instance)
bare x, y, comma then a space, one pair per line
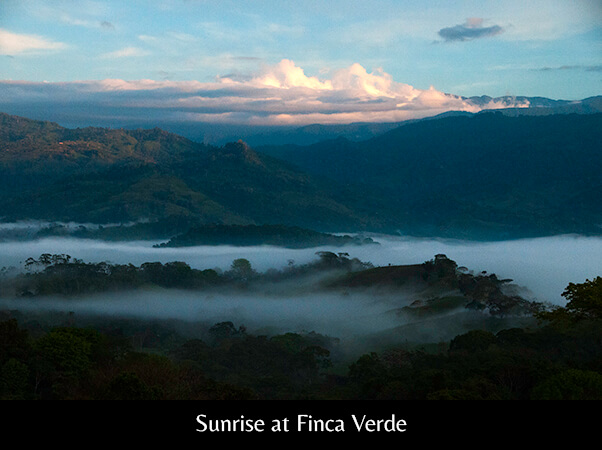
492, 175
218, 133
311, 134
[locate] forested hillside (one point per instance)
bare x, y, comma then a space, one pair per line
488, 174
105, 175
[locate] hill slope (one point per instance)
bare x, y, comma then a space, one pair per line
35, 153
104, 175
488, 173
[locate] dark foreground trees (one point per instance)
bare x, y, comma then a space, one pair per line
514, 364
70, 362
560, 359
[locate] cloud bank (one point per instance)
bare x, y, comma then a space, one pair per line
281, 94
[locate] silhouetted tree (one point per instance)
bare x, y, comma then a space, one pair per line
241, 269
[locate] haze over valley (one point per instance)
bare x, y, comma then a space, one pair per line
118, 196
542, 266
373, 201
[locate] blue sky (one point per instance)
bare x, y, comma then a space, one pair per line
225, 60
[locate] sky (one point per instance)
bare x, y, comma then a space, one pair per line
279, 62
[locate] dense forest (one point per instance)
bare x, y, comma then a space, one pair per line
521, 350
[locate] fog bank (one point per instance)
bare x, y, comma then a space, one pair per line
544, 265
333, 314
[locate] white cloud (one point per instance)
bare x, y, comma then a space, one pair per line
86, 23
83, 13
356, 79
14, 43
280, 95
70, 20
126, 52
287, 75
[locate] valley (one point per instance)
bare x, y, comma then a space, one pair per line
339, 270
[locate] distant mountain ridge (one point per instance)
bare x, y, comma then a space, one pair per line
310, 134
259, 135
483, 176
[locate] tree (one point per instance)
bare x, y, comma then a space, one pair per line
241, 269
585, 299
584, 302
63, 357
47, 259
14, 342
571, 384
225, 330
473, 341
128, 386
14, 376
369, 374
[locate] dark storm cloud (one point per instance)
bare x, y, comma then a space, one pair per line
472, 29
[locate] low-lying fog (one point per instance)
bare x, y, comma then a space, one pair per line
333, 314
542, 266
